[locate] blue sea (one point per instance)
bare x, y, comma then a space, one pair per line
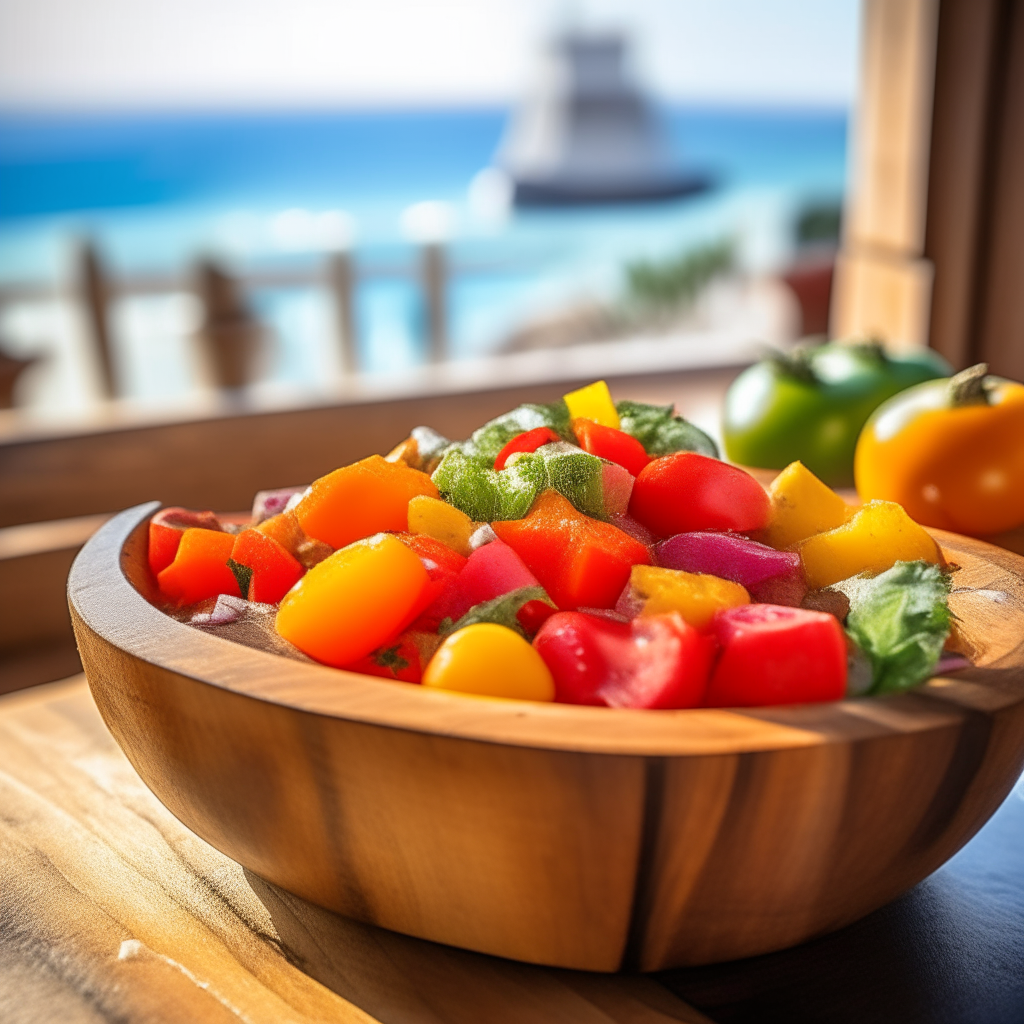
155, 191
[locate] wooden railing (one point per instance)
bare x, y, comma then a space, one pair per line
229, 329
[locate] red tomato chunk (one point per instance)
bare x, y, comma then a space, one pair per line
777, 655
611, 444
274, 571
685, 492
656, 662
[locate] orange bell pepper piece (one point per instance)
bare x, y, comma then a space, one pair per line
353, 601
200, 568
357, 501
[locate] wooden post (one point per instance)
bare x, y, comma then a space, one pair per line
883, 282
342, 281
94, 291
435, 294
229, 332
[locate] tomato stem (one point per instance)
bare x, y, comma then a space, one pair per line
969, 386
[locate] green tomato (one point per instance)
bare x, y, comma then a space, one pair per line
811, 405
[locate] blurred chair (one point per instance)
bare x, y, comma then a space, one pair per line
230, 333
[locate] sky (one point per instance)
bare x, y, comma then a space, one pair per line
330, 53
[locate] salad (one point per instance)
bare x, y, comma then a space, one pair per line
587, 552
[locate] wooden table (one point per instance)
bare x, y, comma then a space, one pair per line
111, 910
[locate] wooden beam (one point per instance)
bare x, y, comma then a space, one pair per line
1000, 324
886, 202
966, 79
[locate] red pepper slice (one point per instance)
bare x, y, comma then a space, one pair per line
580, 562
611, 444
777, 655
529, 441
274, 571
200, 568
443, 566
656, 662
685, 492
166, 528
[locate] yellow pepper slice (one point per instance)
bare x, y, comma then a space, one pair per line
436, 518
351, 602
802, 506
594, 402
696, 596
492, 661
875, 538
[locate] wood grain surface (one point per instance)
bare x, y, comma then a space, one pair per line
111, 910
570, 836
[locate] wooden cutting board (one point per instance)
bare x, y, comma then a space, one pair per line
110, 909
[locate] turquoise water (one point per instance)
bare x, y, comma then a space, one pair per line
155, 191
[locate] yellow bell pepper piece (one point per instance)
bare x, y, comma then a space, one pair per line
802, 506
350, 603
876, 537
436, 518
594, 402
492, 661
696, 596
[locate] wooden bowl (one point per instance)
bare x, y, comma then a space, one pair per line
571, 836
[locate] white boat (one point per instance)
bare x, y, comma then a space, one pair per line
587, 134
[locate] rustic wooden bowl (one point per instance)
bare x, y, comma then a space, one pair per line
572, 836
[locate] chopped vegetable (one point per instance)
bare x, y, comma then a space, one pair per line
529, 441
285, 529
951, 452
596, 487
684, 492
352, 602
485, 444
801, 507
200, 567
444, 522
579, 561
272, 571
443, 566
166, 528
485, 494
735, 558
776, 655
490, 660
403, 658
360, 500
611, 444
594, 402
876, 537
653, 590
489, 572
507, 610
661, 431
900, 620
657, 662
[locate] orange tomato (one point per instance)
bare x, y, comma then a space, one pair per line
951, 452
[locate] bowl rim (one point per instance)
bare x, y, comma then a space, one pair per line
103, 599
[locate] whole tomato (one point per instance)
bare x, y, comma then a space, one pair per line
951, 452
810, 404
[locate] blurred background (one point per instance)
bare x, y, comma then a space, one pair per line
283, 195
242, 244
